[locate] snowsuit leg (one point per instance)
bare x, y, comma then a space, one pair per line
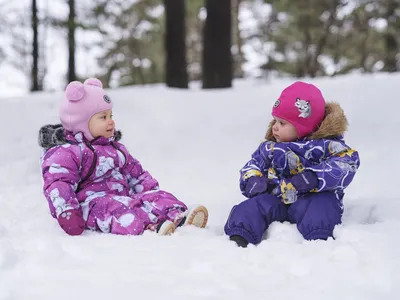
316, 215
117, 217
252, 217
163, 205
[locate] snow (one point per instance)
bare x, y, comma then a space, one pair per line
194, 142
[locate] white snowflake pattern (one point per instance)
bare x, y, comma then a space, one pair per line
153, 218
133, 181
85, 205
139, 188
66, 215
147, 208
104, 225
117, 186
116, 175
56, 168
59, 202
79, 139
91, 195
126, 220
123, 199
105, 164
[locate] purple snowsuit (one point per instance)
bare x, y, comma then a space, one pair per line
316, 212
114, 192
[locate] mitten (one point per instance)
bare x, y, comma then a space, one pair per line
302, 182
305, 181
255, 185
72, 222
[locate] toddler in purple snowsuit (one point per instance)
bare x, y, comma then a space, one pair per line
90, 179
299, 173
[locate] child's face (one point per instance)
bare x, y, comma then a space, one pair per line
102, 124
284, 131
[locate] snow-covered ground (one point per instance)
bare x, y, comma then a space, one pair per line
194, 142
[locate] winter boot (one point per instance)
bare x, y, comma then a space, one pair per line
165, 228
196, 215
239, 240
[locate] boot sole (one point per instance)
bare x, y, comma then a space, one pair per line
167, 228
198, 217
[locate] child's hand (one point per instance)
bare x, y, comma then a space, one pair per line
300, 183
72, 222
305, 181
255, 185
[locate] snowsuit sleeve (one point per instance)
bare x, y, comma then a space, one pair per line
60, 171
335, 169
139, 179
258, 165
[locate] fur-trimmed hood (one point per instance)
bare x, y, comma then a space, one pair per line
334, 124
54, 135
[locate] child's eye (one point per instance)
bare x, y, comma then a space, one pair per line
103, 117
111, 116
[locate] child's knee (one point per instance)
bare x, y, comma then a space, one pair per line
161, 202
324, 212
250, 218
127, 224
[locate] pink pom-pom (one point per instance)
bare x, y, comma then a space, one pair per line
74, 91
94, 81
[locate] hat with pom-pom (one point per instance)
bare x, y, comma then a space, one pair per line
82, 101
301, 104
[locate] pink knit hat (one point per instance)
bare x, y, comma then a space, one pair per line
302, 105
82, 101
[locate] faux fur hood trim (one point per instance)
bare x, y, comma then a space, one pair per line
334, 124
54, 135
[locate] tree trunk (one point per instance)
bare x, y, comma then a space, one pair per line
71, 41
392, 49
217, 57
390, 41
35, 85
175, 44
238, 41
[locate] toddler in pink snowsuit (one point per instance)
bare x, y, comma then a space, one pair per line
90, 179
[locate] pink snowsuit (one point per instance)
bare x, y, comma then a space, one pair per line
114, 192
